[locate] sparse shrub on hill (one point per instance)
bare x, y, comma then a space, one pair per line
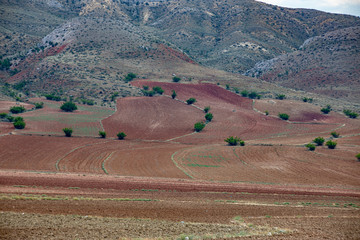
39, 105
130, 76
102, 134
146, 87
209, 117
158, 90
17, 109
199, 126
335, 134
310, 146
227, 86
358, 157
173, 95
68, 107
234, 141
244, 93
191, 101
121, 135
68, 132
176, 79
331, 144
350, 113
114, 96
280, 96
148, 93
306, 99
52, 97
319, 141
326, 109
284, 116
236, 90
254, 95
19, 123
207, 109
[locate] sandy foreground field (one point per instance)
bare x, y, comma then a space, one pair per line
166, 182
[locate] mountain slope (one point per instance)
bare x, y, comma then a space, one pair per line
328, 64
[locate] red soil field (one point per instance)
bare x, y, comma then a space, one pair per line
6, 105
154, 118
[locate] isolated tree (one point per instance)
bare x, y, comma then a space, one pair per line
284, 116
310, 146
102, 134
209, 117
130, 76
191, 101
176, 79
358, 157
68, 132
199, 126
335, 134
244, 93
39, 105
319, 141
173, 95
331, 144
326, 109
20, 124
233, 141
68, 107
207, 109
158, 90
121, 135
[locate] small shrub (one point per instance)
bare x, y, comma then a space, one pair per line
326, 109
242, 143
209, 117
173, 95
335, 134
199, 126
148, 93
146, 88
191, 101
227, 86
284, 116
3, 115
358, 157
114, 96
236, 90
350, 113
158, 90
244, 93
176, 79
39, 105
68, 132
319, 141
18, 119
207, 109
305, 99
10, 118
17, 109
19, 124
310, 146
68, 107
52, 97
331, 144
253, 95
232, 141
266, 112
130, 76
102, 134
121, 135
280, 96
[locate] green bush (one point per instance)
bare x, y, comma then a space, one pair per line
10, 118
266, 112
199, 126
242, 143
17, 119
176, 79
244, 93
17, 109
102, 134
121, 135
68, 132
331, 144
232, 141
227, 86
236, 90
209, 117
358, 157
148, 93
68, 107
19, 124
319, 141
173, 95
39, 105
253, 95
350, 113
305, 99
310, 146
158, 90
284, 116
191, 101
280, 96
3, 115
326, 109
52, 97
335, 134
130, 76
146, 87
207, 109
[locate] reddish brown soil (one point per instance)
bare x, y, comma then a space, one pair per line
152, 118
6, 105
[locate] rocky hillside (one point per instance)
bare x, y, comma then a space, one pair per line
85, 47
328, 64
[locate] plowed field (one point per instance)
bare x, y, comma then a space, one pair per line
165, 181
